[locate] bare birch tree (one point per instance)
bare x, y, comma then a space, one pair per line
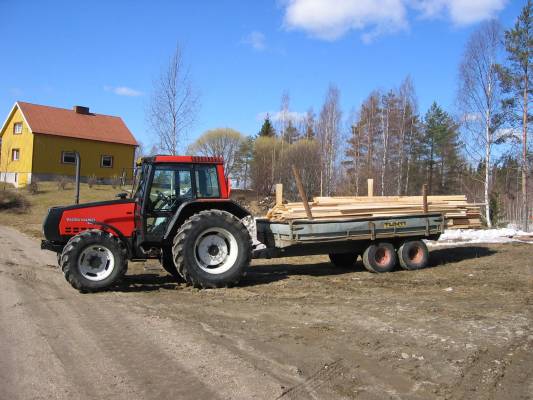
328, 134
479, 98
174, 104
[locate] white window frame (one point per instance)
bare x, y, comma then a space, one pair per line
13, 152
64, 153
102, 161
15, 130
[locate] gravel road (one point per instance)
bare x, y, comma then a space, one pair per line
294, 329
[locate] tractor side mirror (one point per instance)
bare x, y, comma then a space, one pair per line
122, 196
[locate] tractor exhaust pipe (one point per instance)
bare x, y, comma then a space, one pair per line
78, 168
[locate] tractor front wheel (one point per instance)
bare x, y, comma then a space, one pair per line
212, 249
93, 260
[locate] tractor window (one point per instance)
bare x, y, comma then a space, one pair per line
168, 186
206, 181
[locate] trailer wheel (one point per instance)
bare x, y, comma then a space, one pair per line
413, 254
167, 262
212, 249
380, 257
93, 260
344, 260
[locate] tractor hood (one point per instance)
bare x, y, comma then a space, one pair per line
61, 223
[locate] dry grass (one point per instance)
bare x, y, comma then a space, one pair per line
30, 222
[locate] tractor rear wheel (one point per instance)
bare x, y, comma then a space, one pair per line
212, 249
380, 257
344, 260
93, 260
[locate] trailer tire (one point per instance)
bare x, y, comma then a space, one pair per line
167, 262
212, 249
93, 245
413, 254
344, 260
380, 257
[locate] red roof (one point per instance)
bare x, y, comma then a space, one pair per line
63, 122
187, 159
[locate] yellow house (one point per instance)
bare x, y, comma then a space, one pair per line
41, 141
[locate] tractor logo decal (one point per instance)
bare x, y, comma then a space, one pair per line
89, 220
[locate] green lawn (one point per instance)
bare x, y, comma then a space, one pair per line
49, 195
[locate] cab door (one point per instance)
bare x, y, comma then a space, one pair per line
171, 185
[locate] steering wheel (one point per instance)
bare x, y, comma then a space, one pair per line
163, 199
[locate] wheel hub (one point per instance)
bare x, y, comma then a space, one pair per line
96, 262
216, 250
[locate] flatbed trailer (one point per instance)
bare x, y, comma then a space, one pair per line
331, 236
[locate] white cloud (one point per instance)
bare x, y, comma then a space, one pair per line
327, 21
277, 116
123, 91
461, 12
255, 39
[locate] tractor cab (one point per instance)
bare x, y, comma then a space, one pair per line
178, 211
164, 183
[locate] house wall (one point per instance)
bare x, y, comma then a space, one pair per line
17, 172
48, 149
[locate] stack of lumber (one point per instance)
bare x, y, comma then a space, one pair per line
457, 211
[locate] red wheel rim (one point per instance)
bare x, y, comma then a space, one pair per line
415, 254
382, 256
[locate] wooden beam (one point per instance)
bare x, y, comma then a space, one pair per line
425, 197
279, 194
370, 183
301, 190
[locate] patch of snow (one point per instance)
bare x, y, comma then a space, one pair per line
469, 236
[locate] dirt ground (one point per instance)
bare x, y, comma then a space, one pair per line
295, 329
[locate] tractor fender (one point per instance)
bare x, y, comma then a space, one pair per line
188, 208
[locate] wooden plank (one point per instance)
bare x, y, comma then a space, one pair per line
279, 194
301, 190
370, 183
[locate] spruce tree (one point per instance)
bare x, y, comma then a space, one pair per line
267, 130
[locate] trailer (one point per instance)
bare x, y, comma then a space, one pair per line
179, 212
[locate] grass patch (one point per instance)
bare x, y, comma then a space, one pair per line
28, 216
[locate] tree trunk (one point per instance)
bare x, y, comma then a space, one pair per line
525, 210
487, 169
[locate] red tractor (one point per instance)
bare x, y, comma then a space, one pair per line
179, 211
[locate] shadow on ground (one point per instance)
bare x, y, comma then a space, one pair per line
146, 282
447, 255
265, 274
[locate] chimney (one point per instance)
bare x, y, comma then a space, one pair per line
81, 110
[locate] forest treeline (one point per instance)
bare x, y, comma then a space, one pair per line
480, 148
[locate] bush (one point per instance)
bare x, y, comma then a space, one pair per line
92, 180
62, 182
33, 187
14, 201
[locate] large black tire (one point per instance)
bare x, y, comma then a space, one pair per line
413, 255
344, 260
85, 248
208, 237
167, 262
380, 257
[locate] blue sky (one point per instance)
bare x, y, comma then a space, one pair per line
242, 54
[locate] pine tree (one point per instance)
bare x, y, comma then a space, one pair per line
441, 148
267, 129
516, 82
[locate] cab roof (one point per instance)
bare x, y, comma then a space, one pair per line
158, 159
